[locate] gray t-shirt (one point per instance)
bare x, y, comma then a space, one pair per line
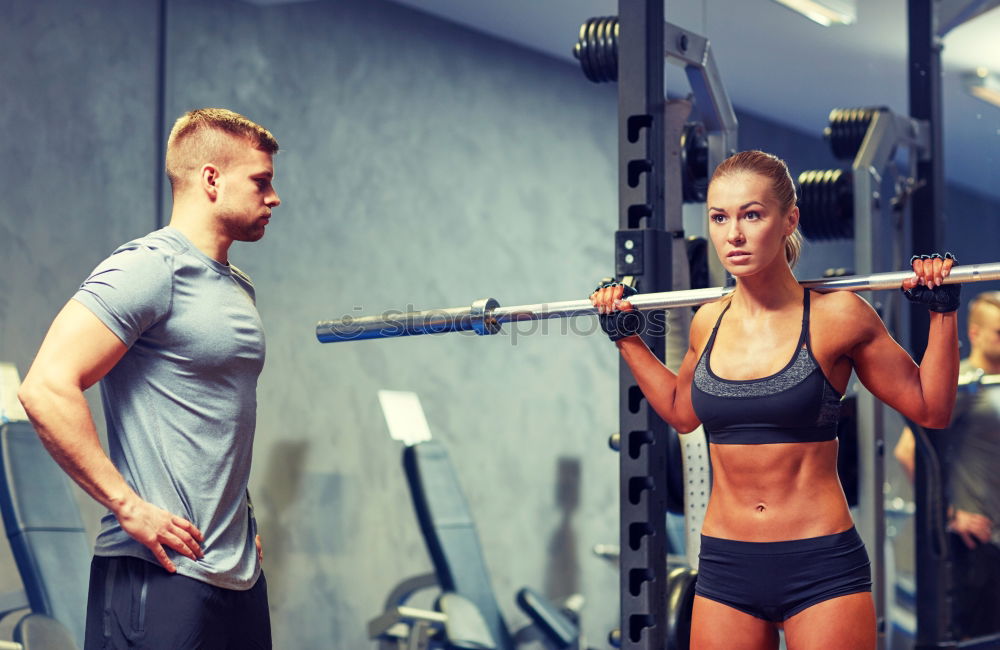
973, 441
181, 405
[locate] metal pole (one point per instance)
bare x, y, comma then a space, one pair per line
643, 251
928, 236
870, 518
485, 316
925, 104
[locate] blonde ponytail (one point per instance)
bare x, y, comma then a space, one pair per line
793, 247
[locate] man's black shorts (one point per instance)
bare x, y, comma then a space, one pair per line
138, 605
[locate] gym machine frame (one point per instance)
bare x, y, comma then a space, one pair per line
643, 251
885, 135
928, 21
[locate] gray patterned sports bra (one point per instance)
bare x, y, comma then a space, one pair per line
796, 404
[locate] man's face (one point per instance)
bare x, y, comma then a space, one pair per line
247, 196
984, 332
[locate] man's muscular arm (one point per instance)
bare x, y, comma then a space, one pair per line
77, 352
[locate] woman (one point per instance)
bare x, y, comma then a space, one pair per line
764, 372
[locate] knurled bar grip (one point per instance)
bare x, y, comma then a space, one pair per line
486, 316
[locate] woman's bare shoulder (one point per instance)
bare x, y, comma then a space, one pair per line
705, 318
844, 314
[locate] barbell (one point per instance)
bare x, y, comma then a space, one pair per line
485, 316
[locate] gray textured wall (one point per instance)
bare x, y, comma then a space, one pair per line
79, 147
78, 152
422, 165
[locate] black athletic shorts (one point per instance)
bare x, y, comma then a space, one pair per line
976, 588
776, 580
138, 605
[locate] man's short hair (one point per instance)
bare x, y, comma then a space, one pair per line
206, 135
980, 305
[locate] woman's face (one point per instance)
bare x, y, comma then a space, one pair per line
746, 223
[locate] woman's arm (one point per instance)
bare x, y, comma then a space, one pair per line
668, 393
924, 393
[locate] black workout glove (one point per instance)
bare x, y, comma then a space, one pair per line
621, 324
942, 299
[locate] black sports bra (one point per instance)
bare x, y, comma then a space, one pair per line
796, 404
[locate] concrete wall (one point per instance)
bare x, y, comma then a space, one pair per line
79, 133
422, 166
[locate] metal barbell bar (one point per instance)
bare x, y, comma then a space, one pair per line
486, 316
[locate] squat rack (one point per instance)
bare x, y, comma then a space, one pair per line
641, 96
928, 23
649, 239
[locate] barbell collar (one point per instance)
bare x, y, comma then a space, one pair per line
481, 313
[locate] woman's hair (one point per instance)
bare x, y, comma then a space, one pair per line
782, 185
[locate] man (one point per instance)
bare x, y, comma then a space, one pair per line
171, 330
972, 481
